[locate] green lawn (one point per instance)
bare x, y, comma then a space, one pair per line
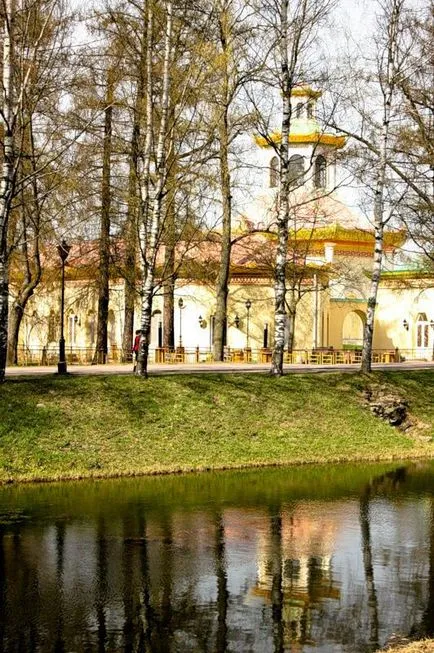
52, 428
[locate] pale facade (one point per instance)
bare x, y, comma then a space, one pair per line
334, 248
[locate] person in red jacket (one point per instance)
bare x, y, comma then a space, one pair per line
136, 347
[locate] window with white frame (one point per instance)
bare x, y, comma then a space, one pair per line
422, 331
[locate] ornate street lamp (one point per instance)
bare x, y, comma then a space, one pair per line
181, 306
63, 251
248, 306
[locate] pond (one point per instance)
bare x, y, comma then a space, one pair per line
312, 559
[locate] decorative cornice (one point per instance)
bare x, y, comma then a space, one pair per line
411, 273
303, 91
336, 233
315, 137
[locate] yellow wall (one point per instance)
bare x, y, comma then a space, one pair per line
341, 311
397, 303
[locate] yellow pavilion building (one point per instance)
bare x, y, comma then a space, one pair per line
329, 261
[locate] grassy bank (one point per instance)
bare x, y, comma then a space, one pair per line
53, 428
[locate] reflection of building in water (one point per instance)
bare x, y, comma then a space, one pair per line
303, 548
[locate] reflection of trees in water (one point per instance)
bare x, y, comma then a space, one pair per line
222, 589
167, 568
144, 609
170, 616
101, 583
155, 582
138, 622
428, 616
19, 611
129, 600
276, 580
3, 589
365, 529
295, 573
59, 645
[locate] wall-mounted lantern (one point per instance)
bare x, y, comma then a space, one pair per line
405, 324
237, 321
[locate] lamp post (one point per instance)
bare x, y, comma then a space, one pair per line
181, 306
248, 306
63, 251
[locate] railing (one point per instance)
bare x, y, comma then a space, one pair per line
28, 356
196, 355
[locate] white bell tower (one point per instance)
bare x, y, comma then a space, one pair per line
312, 157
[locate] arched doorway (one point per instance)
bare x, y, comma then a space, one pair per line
352, 330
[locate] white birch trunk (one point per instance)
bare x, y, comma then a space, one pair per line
379, 219
149, 248
283, 214
7, 176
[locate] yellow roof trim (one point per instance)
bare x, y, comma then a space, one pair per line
301, 91
312, 137
337, 233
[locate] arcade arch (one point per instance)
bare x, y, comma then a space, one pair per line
352, 329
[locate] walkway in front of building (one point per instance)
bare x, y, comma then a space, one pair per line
208, 368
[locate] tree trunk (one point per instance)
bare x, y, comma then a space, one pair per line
16, 316
31, 221
368, 334
283, 215
6, 181
101, 347
387, 86
169, 261
149, 245
169, 304
222, 287
131, 243
133, 214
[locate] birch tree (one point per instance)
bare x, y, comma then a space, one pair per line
27, 60
8, 119
176, 149
393, 174
386, 76
375, 137
152, 204
101, 347
294, 27
227, 89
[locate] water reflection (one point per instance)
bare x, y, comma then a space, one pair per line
315, 559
